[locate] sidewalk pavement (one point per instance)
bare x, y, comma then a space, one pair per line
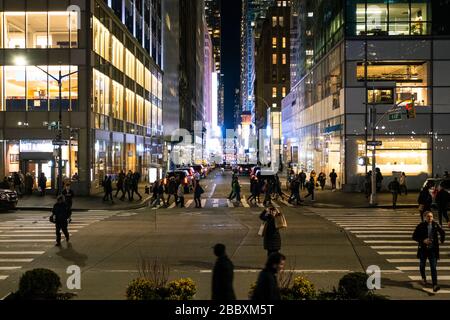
93, 202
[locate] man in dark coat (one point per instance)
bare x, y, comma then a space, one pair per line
172, 190
426, 235
394, 188
121, 185
333, 177
267, 285
61, 215
425, 200
272, 237
135, 178
107, 186
222, 277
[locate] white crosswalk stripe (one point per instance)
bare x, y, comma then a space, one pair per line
25, 237
391, 237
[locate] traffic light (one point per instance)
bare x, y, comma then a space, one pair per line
410, 110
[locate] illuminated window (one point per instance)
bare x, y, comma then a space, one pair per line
310, 14
274, 42
284, 58
154, 85
117, 103
283, 92
14, 23
274, 105
284, 42
140, 73
274, 92
274, 58
101, 39
309, 52
101, 87
274, 21
37, 30
139, 110
117, 53
148, 80
130, 64
129, 105
281, 21
148, 114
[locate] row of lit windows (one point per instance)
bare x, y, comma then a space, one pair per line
275, 58
275, 92
31, 89
53, 29
278, 21
123, 104
112, 50
275, 42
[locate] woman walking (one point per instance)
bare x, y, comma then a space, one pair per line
403, 187
272, 237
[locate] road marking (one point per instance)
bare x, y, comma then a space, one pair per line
286, 203
377, 228
384, 232
212, 191
403, 252
203, 203
412, 260
416, 268
382, 236
4, 278
16, 260
215, 203
27, 240
244, 201
418, 278
188, 203
28, 235
295, 271
403, 247
230, 204
34, 231
429, 290
21, 252
10, 268
389, 241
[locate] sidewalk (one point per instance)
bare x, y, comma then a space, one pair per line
94, 202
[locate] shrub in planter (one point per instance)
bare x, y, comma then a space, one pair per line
182, 289
39, 284
144, 289
354, 286
303, 289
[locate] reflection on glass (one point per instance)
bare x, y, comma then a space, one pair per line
37, 90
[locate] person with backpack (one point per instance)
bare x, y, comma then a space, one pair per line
198, 191
394, 188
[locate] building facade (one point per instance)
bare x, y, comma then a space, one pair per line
111, 102
372, 55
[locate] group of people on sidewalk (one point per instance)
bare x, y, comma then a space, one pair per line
127, 184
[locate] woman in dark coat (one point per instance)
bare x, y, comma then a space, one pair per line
426, 235
272, 237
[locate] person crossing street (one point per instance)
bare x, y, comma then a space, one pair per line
394, 188
60, 217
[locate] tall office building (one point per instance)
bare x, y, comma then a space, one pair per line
370, 55
111, 102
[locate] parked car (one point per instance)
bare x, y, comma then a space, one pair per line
434, 183
8, 199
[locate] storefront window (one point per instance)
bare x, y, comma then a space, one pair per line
37, 30
14, 23
117, 149
407, 94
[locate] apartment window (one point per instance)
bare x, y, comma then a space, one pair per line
274, 42
284, 58
274, 21
274, 92
101, 39
117, 96
283, 92
284, 42
129, 105
281, 21
274, 58
140, 73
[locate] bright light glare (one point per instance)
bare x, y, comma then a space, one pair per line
20, 61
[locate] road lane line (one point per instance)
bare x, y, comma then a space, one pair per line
418, 278
212, 190
21, 253
16, 260
383, 236
10, 268
203, 203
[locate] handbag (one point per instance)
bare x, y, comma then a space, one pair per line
280, 221
52, 218
262, 229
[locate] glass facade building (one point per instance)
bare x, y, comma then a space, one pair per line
371, 54
112, 102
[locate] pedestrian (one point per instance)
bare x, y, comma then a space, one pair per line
267, 189
310, 186
426, 235
267, 288
277, 188
17, 183
302, 176
425, 200
120, 185
313, 175
198, 191
442, 199
333, 177
237, 190
29, 184
394, 188
75, 177
128, 185
368, 184
61, 218
68, 197
222, 277
295, 192
108, 189
378, 179
160, 195
272, 237
136, 177
42, 183
322, 180
253, 189
403, 187
232, 195
180, 195
172, 190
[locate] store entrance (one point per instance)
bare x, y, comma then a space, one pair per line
37, 165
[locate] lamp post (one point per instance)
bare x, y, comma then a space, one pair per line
21, 61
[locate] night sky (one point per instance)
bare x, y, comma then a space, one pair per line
231, 54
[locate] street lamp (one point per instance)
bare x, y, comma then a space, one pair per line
21, 61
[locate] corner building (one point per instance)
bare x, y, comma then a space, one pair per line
406, 45
112, 104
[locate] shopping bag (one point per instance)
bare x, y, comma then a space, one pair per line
280, 221
262, 229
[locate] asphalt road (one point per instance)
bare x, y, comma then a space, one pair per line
323, 244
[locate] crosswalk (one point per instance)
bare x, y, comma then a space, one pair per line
27, 236
226, 203
390, 235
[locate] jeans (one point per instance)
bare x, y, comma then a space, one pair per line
443, 213
431, 255
61, 226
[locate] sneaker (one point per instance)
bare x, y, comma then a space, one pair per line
436, 288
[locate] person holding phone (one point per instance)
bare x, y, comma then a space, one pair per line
272, 237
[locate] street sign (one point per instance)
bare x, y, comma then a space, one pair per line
395, 116
374, 143
60, 143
